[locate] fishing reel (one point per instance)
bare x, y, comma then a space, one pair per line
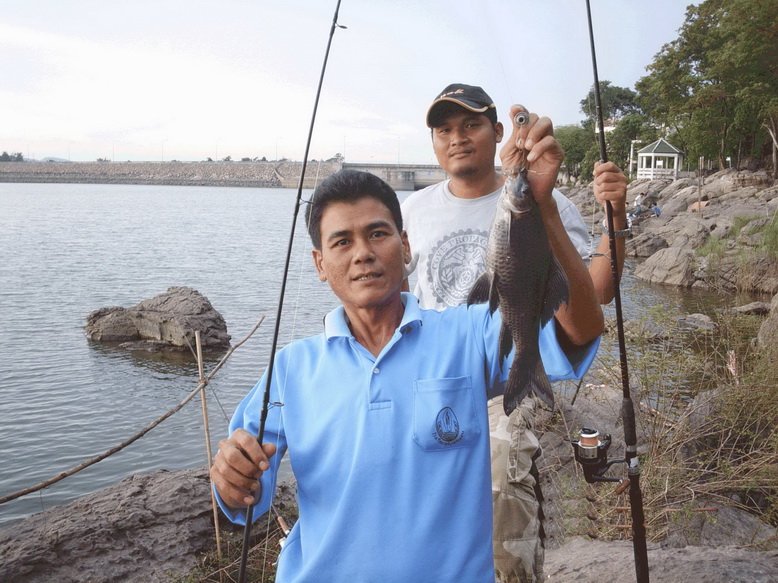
592, 453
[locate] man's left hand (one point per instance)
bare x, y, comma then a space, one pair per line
610, 184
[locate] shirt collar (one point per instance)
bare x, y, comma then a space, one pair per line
335, 322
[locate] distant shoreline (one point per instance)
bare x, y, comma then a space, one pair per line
284, 174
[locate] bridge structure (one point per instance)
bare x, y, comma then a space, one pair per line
401, 177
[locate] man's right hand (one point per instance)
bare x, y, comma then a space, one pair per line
237, 467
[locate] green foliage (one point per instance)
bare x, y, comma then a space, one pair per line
713, 248
716, 86
6, 157
575, 141
615, 101
737, 224
770, 237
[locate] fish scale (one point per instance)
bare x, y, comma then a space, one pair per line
526, 282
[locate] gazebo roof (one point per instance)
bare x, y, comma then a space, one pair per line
661, 146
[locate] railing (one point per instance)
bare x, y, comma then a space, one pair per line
657, 173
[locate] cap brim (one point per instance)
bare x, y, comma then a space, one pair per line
466, 104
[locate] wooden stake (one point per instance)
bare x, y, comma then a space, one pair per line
214, 506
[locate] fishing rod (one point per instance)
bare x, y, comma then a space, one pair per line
590, 451
274, 345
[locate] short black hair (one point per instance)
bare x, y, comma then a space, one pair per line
444, 109
349, 186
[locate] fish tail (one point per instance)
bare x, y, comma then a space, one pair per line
526, 377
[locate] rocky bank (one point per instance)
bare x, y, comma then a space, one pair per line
709, 235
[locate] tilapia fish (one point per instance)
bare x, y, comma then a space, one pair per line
525, 280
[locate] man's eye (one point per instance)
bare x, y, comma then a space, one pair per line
341, 242
378, 234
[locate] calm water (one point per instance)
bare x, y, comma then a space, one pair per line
68, 249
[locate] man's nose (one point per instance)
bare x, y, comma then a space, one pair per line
363, 251
458, 135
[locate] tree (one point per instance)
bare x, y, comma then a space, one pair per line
716, 85
615, 102
6, 157
575, 141
634, 126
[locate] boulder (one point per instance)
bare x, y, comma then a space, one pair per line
697, 322
165, 322
144, 529
672, 266
752, 309
645, 245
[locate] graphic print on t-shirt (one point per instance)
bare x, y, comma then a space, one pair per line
455, 263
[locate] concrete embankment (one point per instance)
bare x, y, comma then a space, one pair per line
254, 174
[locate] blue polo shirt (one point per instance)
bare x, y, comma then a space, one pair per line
390, 453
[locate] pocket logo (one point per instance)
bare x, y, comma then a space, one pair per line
447, 427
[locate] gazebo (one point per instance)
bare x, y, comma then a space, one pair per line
659, 160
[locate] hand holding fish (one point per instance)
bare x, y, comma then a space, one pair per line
532, 147
238, 466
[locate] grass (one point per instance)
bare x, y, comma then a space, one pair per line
722, 448
770, 237
262, 556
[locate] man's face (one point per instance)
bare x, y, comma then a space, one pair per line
362, 253
465, 143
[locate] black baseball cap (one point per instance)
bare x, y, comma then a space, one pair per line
468, 96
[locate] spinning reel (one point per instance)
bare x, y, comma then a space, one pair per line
592, 453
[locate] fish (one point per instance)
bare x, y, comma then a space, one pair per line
528, 285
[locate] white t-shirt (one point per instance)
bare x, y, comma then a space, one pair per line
448, 237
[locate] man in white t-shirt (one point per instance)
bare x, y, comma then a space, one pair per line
448, 226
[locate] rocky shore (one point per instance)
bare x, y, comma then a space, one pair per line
712, 235
251, 174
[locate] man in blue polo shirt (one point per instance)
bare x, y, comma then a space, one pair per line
383, 415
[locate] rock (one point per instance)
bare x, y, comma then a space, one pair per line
672, 266
167, 321
585, 561
645, 245
768, 331
698, 322
144, 529
752, 309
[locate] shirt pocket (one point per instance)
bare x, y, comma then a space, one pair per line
444, 414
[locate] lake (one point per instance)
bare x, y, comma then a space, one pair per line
68, 249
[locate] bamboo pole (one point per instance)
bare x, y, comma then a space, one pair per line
207, 430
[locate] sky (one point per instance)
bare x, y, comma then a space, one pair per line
161, 80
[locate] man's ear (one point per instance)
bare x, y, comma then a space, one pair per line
317, 261
406, 247
499, 130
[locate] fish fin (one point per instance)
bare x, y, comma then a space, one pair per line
494, 295
557, 291
506, 341
526, 377
480, 291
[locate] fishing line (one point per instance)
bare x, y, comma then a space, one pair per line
274, 346
627, 407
